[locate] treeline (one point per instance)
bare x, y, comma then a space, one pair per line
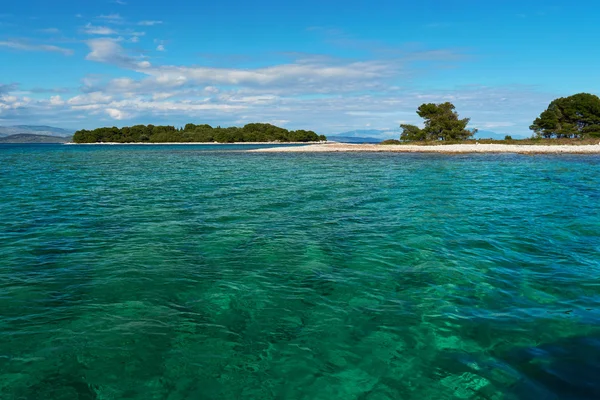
573, 117
192, 133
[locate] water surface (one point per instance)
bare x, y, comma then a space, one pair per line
203, 272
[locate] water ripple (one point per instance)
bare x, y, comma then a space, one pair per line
197, 272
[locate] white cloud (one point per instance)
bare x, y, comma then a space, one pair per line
149, 23
325, 114
316, 75
89, 98
323, 93
98, 30
56, 101
107, 50
18, 45
163, 95
315, 78
116, 114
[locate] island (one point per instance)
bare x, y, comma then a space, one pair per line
28, 138
191, 133
569, 125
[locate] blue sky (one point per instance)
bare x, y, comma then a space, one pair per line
330, 66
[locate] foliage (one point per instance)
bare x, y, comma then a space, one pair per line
576, 116
412, 133
391, 141
508, 137
441, 123
192, 133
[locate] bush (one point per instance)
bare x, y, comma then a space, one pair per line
508, 137
391, 141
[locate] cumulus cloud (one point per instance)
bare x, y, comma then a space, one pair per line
89, 99
326, 114
98, 30
24, 46
107, 50
307, 91
304, 74
116, 114
56, 101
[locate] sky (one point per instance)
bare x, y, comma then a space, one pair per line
329, 66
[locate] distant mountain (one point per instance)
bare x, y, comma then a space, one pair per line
376, 136
363, 136
35, 130
379, 133
496, 136
353, 139
29, 138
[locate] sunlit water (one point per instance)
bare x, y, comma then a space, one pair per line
203, 272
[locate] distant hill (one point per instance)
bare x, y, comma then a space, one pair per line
363, 136
29, 138
353, 139
496, 136
35, 130
376, 136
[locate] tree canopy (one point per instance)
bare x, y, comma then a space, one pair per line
576, 116
441, 123
192, 133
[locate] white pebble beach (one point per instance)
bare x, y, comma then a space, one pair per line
449, 148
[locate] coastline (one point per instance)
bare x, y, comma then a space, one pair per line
442, 148
182, 143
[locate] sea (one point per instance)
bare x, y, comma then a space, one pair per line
208, 272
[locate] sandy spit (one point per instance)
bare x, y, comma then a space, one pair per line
450, 148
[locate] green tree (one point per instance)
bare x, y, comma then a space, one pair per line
575, 116
195, 133
441, 123
411, 133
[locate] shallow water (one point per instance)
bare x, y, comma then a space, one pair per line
202, 272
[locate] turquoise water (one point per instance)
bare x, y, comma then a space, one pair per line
203, 272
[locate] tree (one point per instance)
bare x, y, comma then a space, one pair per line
575, 116
412, 133
441, 123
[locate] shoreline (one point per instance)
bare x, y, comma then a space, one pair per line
442, 148
184, 143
